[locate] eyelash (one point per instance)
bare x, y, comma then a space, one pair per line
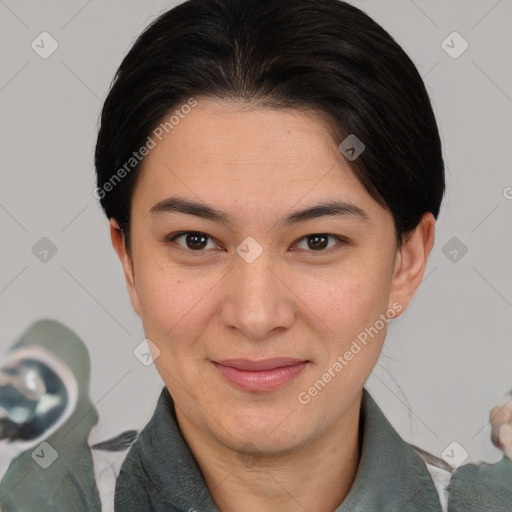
171, 239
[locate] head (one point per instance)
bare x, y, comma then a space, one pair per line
272, 172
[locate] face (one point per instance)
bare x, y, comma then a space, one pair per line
266, 323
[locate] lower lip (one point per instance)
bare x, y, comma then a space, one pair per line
262, 380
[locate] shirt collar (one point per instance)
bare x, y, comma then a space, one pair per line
390, 475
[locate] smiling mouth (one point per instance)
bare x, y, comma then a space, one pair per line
257, 376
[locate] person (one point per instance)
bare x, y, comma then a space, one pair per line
44, 386
46, 416
272, 172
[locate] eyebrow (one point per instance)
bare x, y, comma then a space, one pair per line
326, 209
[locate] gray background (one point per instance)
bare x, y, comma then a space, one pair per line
446, 362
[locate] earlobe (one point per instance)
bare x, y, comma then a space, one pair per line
118, 243
411, 261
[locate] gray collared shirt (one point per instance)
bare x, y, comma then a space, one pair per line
160, 473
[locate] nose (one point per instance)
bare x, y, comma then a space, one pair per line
258, 301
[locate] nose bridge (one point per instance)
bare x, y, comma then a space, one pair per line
258, 301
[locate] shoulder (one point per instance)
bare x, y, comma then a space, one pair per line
471, 487
482, 487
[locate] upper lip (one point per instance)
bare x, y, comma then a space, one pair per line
261, 365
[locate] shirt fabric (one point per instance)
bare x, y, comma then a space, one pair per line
160, 473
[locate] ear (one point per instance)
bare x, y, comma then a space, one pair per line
411, 261
118, 242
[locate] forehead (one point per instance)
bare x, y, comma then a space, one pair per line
257, 155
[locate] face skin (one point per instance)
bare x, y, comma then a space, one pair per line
265, 449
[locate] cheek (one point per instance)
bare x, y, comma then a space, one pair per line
175, 309
178, 300
349, 298
172, 303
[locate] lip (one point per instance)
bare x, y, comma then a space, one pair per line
263, 375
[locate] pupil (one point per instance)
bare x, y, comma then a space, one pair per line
199, 241
196, 241
317, 242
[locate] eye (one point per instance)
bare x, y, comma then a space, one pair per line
318, 242
195, 241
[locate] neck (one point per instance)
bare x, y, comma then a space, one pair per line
316, 477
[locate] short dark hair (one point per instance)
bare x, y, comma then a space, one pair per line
324, 56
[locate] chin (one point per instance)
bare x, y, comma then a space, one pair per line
267, 429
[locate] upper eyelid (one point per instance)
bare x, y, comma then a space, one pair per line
179, 234
172, 237
183, 233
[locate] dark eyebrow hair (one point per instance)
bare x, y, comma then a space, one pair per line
329, 208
